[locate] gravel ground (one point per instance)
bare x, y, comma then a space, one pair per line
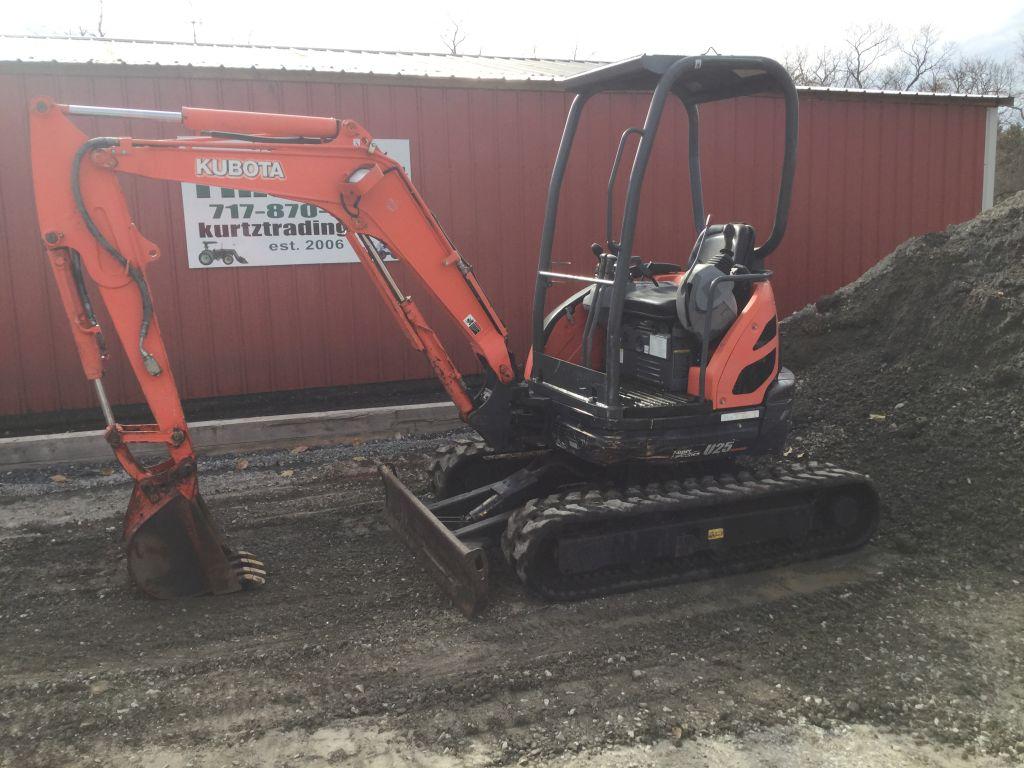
350, 656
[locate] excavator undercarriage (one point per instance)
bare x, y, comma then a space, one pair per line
631, 450
571, 530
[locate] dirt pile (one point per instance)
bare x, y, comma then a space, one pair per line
915, 374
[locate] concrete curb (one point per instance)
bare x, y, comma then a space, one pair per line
240, 435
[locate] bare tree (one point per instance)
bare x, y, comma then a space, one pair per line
866, 47
795, 63
98, 31
195, 21
875, 56
824, 68
920, 61
1017, 110
979, 74
453, 37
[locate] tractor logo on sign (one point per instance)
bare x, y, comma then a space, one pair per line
209, 254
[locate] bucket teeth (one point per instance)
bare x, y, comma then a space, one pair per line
251, 572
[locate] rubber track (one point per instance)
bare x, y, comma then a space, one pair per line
468, 464
540, 519
447, 461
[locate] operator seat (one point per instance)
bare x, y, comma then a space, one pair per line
707, 304
658, 302
655, 302
742, 247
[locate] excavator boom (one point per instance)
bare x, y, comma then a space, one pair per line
173, 545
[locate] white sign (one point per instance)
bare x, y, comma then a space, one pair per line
233, 228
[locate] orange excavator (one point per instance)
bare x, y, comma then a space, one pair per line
608, 462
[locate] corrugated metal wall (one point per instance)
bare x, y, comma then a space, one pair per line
871, 172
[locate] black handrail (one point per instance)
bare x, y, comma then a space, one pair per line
547, 237
693, 157
611, 183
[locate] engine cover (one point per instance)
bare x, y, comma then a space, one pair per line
654, 352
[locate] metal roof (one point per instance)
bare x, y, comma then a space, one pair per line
439, 66
93, 50
992, 99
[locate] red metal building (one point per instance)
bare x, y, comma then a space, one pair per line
874, 168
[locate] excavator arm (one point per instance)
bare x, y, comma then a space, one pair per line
173, 545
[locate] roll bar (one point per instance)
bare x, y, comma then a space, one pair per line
694, 80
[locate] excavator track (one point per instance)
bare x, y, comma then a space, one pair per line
467, 464
449, 459
584, 544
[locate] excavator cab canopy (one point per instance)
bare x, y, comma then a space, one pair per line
698, 80
712, 79
694, 80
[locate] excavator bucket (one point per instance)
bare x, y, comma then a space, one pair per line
459, 567
177, 550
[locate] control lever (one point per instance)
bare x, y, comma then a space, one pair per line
729, 233
647, 271
602, 259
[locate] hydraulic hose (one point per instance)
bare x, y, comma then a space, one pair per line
266, 139
152, 366
75, 259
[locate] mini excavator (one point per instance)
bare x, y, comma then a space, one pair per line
609, 462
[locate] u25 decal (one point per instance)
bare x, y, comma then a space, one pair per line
711, 449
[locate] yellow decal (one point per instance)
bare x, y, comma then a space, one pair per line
716, 533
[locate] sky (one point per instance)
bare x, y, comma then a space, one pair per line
598, 29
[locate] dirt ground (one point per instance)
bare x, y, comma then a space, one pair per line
907, 653
914, 374
349, 656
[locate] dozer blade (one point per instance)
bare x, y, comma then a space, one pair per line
460, 568
177, 550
